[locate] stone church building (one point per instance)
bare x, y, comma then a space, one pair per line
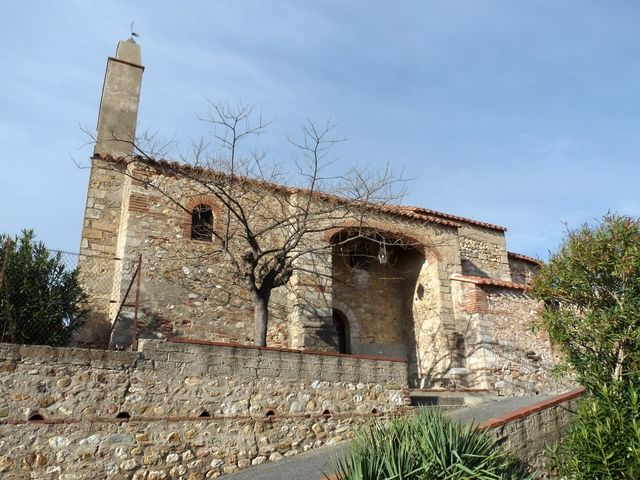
439, 291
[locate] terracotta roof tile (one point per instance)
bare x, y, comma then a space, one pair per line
525, 258
415, 213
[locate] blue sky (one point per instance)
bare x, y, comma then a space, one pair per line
524, 114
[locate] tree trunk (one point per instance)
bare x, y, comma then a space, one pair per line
260, 318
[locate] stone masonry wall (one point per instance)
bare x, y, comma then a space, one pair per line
175, 410
99, 263
407, 312
483, 252
505, 348
523, 359
522, 271
188, 289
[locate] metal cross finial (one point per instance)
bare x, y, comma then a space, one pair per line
133, 34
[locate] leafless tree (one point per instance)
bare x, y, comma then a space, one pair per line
272, 214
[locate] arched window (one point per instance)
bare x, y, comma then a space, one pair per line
202, 223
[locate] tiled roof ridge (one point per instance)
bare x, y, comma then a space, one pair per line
450, 216
415, 213
525, 258
491, 282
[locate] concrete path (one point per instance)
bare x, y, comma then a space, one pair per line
309, 465
487, 411
313, 464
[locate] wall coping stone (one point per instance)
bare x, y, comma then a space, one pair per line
72, 355
87, 356
531, 409
286, 350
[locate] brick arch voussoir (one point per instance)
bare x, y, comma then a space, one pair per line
196, 201
429, 252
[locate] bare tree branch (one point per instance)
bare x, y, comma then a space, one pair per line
266, 229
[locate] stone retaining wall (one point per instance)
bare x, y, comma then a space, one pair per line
177, 410
528, 431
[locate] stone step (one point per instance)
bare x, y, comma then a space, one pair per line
436, 400
448, 399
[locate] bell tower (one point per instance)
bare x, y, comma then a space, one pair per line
118, 113
105, 216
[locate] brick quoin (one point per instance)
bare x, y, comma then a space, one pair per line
475, 300
138, 203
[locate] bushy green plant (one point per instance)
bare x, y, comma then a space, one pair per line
425, 446
39, 298
591, 292
604, 441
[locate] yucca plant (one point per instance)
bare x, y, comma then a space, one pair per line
428, 445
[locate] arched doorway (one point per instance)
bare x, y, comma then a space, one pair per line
341, 326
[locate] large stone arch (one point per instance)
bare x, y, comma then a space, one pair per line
376, 294
399, 232
412, 319
429, 318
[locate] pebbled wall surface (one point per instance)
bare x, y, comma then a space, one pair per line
176, 410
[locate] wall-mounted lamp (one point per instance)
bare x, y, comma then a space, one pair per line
382, 254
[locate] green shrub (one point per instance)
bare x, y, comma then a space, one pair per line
428, 445
604, 441
591, 293
39, 298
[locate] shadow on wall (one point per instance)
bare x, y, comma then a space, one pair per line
471, 268
446, 364
335, 333
511, 368
151, 325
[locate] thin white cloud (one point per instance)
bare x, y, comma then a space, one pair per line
502, 111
